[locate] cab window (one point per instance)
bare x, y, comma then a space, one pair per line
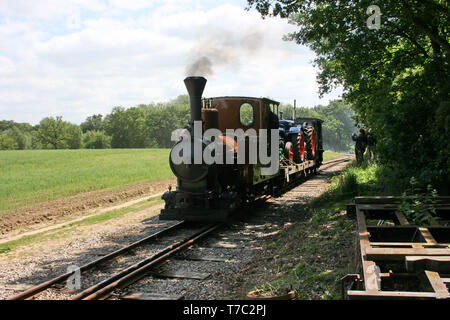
246, 112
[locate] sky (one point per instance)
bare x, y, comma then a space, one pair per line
77, 58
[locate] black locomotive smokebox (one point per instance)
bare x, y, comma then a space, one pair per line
190, 171
195, 87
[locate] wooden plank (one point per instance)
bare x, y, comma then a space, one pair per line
396, 244
377, 200
436, 282
427, 235
421, 263
181, 274
355, 294
200, 257
408, 244
151, 296
393, 200
392, 254
371, 271
377, 207
401, 218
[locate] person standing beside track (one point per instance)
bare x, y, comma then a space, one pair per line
360, 145
371, 142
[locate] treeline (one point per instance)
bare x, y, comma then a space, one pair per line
149, 126
144, 126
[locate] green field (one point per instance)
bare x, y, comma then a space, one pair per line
32, 176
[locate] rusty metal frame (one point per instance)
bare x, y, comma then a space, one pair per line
413, 248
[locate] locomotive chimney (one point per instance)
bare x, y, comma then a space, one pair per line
195, 87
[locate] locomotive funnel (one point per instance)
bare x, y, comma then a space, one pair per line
195, 87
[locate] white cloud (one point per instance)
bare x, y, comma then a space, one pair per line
122, 55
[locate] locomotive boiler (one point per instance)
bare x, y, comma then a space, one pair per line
212, 190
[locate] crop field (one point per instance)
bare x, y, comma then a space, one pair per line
30, 177
33, 176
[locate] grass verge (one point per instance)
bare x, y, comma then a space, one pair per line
314, 253
331, 155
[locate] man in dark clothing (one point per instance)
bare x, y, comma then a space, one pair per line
371, 142
360, 145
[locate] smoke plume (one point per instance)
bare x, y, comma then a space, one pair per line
220, 50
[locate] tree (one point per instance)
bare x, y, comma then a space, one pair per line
73, 136
96, 140
52, 132
395, 77
22, 139
127, 128
7, 143
92, 123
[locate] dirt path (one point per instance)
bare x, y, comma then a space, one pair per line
13, 224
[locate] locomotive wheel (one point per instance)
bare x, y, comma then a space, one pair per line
289, 151
310, 141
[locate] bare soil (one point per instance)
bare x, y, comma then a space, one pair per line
43, 214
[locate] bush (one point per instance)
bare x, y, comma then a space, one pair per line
96, 140
7, 143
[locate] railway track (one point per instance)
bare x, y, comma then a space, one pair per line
132, 271
122, 268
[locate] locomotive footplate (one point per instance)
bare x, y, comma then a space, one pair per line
199, 206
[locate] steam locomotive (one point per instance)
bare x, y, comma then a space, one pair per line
213, 191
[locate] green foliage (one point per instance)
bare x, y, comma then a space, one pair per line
51, 132
414, 204
127, 128
395, 77
246, 114
7, 143
54, 133
21, 133
162, 119
96, 140
73, 136
356, 180
92, 123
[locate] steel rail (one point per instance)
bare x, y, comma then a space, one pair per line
135, 272
333, 162
33, 291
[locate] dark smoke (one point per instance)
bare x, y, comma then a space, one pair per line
202, 66
222, 49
